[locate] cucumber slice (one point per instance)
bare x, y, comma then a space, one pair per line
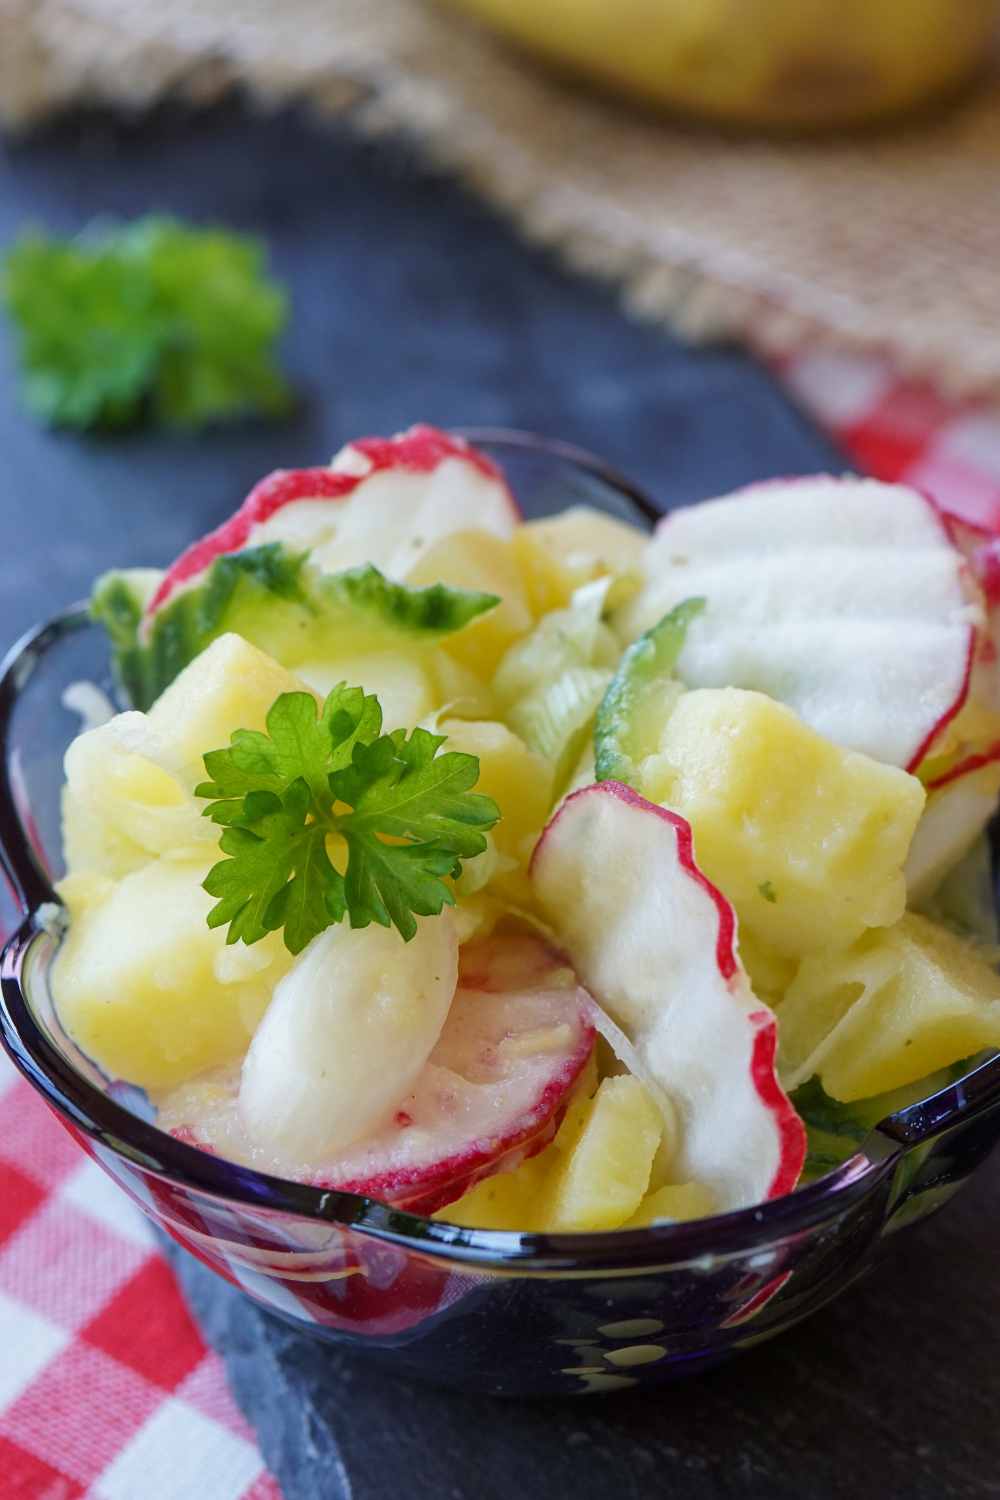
548, 685
555, 720
641, 697
275, 599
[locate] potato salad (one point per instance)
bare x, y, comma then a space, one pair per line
541, 875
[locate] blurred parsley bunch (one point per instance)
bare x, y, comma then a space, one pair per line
150, 319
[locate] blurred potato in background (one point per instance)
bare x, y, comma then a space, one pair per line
787, 64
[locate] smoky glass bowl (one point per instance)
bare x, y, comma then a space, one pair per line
508, 1313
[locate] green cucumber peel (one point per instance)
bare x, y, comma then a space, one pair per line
634, 709
275, 599
836, 1131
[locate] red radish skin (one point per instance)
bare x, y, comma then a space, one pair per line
985, 522
725, 943
949, 527
774, 1098
517, 1115
965, 767
426, 1192
925, 746
418, 451
757, 1302
270, 494
789, 1129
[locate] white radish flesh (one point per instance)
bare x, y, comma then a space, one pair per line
348, 1030
844, 598
493, 1091
654, 942
954, 817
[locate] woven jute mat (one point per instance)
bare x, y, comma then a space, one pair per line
889, 242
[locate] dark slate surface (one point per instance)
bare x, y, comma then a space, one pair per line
411, 302
889, 1394
414, 302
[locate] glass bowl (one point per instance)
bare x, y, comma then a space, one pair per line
509, 1313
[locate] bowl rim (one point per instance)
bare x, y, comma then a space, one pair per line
141, 1143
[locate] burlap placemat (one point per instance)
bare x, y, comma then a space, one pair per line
889, 242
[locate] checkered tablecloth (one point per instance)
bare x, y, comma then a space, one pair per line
106, 1386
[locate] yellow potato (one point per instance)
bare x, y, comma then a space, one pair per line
146, 988
230, 685
807, 840
478, 560
402, 683
515, 777
593, 1176
558, 554
129, 783
897, 1005
677, 1201
775, 62
121, 807
604, 1178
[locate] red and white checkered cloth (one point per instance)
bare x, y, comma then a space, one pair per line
904, 430
106, 1387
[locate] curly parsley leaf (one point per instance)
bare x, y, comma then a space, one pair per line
148, 319
319, 782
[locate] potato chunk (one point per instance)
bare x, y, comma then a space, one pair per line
129, 784
558, 554
595, 1175
477, 560
894, 1007
807, 840
146, 988
230, 685
515, 777
604, 1178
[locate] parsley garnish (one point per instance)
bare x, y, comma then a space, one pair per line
147, 319
404, 814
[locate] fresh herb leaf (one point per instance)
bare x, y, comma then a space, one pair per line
151, 318
405, 814
415, 793
767, 890
271, 596
836, 1131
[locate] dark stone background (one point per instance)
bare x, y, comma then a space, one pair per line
411, 301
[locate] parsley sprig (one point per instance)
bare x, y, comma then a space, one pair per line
404, 814
152, 318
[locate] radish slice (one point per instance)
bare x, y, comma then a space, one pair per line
382, 501
346, 1034
654, 941
844, 598
492, 1093
958, 809
981, 549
